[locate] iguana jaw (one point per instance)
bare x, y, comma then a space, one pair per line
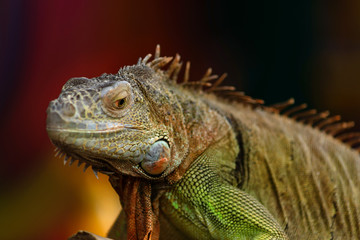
107, 152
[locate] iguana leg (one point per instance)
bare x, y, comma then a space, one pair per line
204, 206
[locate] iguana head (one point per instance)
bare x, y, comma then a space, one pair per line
128, 123
140, 121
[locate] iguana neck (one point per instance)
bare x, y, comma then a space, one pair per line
205, 126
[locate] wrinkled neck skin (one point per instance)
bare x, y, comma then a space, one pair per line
204, 128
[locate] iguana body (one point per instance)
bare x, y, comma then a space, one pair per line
189, 164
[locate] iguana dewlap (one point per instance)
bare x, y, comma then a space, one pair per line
197, 160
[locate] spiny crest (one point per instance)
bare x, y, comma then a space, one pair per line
210, 83
331, 125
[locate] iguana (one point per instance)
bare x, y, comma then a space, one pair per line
198, 160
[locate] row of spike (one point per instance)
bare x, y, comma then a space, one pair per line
205, 83
59, 153
331, 125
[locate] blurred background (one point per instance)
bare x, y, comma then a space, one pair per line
273, 50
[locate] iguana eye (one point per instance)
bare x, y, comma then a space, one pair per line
116, 99
120, 103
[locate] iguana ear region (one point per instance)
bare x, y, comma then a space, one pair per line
157, 158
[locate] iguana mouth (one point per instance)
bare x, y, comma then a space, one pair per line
97, 164
152, 166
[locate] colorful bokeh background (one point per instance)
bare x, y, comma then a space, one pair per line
272, 50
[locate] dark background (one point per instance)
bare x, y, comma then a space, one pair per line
273, 50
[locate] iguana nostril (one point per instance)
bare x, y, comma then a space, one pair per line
68, 110
157, 158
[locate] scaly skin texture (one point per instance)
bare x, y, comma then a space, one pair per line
189, 164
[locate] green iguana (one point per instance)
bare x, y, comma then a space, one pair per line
197, 160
